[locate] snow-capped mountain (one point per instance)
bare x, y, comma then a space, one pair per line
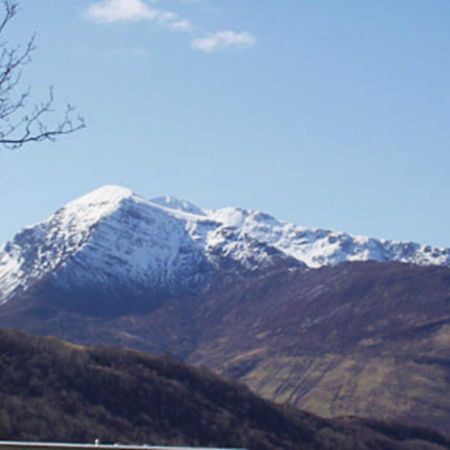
118, 240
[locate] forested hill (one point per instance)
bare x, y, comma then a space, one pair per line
57, 391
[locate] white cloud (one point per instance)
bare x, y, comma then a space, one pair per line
121, 11
134, 11
109, 11
224, 39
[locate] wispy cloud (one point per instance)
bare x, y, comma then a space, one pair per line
108, 11
224, 39
181, 25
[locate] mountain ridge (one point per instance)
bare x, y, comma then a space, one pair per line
171, 246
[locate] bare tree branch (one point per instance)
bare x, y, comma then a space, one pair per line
17, 126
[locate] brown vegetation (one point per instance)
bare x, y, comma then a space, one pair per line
56, 391
370, 339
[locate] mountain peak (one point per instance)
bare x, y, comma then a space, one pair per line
109, 193
84, 211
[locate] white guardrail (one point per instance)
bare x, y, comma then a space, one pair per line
17, 445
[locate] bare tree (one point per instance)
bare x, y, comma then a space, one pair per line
20, 122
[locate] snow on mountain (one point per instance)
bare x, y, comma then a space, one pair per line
114, 238
180, 205
317, 247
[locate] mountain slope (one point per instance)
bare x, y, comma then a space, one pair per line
54, 390
370, 339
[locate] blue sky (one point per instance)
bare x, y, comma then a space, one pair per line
324, 113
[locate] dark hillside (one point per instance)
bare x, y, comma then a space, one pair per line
364, 339
57, 391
